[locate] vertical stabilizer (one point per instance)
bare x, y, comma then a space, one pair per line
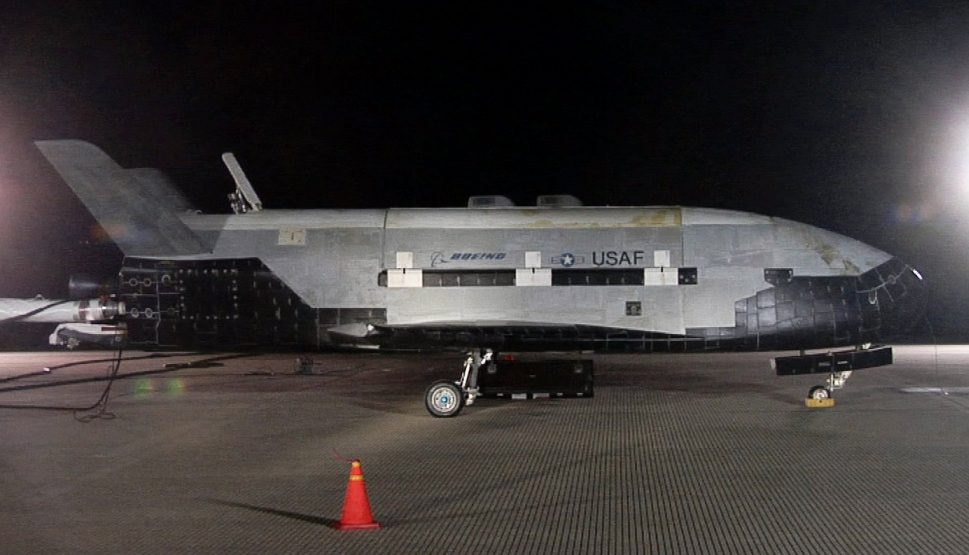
135, 219
155, 184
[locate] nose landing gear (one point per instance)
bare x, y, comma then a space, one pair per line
819, 393
838, 365
836, 380
444, 398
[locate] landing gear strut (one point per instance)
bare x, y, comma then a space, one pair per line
445, 398
836, 380
838, 365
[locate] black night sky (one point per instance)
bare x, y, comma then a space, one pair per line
853, 116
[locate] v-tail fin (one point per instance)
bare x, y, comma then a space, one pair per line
137, 218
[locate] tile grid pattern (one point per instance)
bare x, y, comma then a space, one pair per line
675, 454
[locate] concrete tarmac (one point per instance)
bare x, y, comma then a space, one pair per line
673, 454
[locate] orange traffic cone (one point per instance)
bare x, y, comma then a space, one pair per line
356, 507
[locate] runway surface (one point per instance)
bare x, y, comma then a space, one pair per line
673, 454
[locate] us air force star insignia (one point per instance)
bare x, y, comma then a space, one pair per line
568, 259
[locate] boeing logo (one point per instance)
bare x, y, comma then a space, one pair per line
440, 258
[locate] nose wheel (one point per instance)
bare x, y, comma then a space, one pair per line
819, 393
446, 398
836, 380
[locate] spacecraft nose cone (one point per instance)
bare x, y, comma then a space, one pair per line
898, 293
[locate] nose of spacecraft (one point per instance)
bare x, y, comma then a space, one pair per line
894, 296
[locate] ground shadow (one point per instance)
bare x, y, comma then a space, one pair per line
276, 512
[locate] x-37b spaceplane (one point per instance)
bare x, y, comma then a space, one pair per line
487, 278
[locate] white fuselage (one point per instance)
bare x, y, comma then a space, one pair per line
333, 258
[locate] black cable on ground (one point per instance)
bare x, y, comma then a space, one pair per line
101, 405
100, 408
49, 369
